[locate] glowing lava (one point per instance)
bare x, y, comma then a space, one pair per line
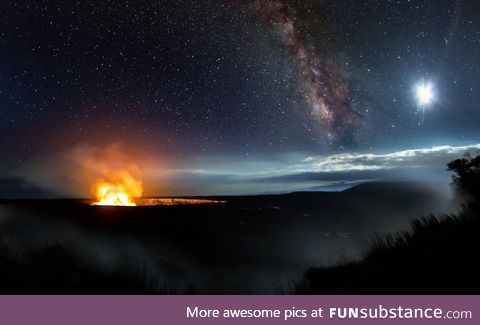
120, 188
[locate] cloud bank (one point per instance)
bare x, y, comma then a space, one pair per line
412, 158
327, 172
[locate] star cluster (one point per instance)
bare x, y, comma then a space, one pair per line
325, 92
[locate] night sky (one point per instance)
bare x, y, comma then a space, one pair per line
229, 88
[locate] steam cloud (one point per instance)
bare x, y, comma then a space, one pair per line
75, 171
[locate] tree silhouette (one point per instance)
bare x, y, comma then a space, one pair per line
466, 180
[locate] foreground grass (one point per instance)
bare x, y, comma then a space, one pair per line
56, 271
439, 256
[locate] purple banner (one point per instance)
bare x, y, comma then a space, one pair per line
201, 310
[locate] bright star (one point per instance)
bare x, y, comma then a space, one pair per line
425, 93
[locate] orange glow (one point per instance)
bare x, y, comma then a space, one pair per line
176, 201
119, 188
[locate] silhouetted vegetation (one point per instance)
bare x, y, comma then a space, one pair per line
439, 254
466, 181
55, 270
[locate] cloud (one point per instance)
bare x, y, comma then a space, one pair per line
413, 158
65, 172
16, 188
327, 172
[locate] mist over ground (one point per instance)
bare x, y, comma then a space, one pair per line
252, 244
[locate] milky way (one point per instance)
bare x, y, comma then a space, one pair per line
325, 91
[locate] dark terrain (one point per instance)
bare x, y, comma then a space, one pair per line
252, 244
